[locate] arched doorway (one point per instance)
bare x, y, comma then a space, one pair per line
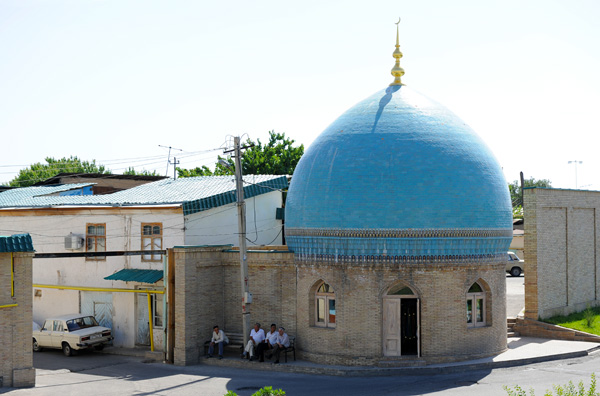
401, 322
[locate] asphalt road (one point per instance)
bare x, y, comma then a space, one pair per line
103, 374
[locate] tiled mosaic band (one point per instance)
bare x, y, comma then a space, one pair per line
442, 243
390, 233
359, 259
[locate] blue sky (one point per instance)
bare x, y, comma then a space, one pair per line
113, 80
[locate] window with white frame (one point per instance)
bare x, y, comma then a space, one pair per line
151, 240
475, 306
95, 238
325, 306
157, 310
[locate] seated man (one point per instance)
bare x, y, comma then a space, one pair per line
283, 341
257, 335
219, 338
268, 343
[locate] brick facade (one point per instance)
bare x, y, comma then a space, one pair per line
16, 355
208, 292
561, 241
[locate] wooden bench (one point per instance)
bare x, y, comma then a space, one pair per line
236, 342
291, 348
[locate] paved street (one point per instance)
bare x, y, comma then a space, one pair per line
102, 374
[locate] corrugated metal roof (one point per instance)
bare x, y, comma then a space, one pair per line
136, 275
37, 196
16, 243
195, 193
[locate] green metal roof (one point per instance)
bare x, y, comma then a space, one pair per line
250, 190
136, 275
16, 243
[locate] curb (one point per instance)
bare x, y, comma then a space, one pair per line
340, 371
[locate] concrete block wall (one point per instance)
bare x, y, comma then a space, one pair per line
561, 243
16, 356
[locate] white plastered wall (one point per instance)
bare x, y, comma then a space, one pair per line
219, 226
48, 228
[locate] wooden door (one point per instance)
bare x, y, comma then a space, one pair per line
391, 327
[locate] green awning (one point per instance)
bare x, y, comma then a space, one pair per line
137, 275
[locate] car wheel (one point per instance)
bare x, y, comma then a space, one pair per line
67, 349
99, 347
36, 346
515, 271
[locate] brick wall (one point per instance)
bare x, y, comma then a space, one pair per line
441, 289
208, 293
561, 241
16, 356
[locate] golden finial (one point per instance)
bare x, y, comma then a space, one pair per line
397, 71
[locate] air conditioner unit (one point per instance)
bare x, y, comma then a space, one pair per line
73, 242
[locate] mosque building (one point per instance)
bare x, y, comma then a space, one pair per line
399, 218
397, 223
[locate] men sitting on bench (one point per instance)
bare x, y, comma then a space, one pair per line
268, 343
282, 342
219, 338
257, 335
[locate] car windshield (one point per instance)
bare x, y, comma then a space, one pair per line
81, 323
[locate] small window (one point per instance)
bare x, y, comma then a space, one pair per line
95, 240
152, 240
157, 310
476, 306
325, 306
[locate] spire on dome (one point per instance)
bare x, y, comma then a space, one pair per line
397, 71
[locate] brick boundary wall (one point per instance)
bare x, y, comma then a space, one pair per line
535, 328
562, 240
16, 354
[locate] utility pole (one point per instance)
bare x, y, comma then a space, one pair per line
175, 163
241, 209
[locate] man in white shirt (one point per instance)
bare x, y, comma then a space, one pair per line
257, 335
218, 338
268, 343
283, 341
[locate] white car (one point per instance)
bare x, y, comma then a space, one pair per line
514, 265
71, 333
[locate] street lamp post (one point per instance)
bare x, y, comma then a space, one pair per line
575, 163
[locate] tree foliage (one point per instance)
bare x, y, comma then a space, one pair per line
132, 171
40, 171
276, 157
516, 195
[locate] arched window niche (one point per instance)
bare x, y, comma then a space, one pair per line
478, 305
325, 312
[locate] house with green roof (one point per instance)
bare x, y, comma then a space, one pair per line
72, 228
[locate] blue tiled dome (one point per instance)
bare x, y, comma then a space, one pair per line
398, 175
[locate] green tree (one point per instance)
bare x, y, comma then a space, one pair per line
40, 171
276, 157
132, 171
516, 195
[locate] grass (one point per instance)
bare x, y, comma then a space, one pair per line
587, 321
